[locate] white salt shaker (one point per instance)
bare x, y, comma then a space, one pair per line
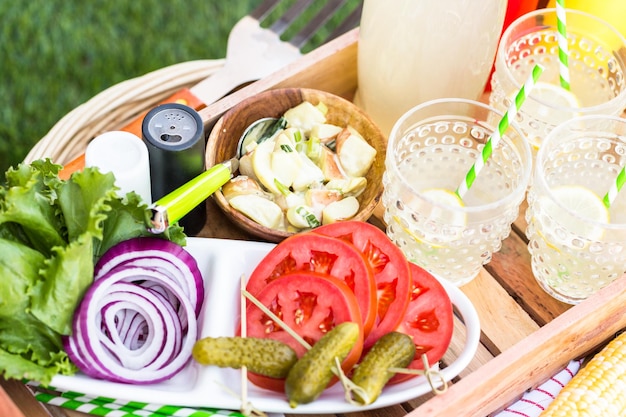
126, 156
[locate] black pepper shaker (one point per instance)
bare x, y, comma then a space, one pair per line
174, 135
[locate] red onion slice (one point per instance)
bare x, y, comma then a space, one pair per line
107, 341
164, 353
137, 323
155, 279
156, 253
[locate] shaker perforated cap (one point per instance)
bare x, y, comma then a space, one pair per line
172, 126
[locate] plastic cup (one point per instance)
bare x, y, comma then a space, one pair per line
577, 244
596, 64
430, 150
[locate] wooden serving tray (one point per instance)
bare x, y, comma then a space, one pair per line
527, 336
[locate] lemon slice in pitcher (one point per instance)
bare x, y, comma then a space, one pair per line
585, 203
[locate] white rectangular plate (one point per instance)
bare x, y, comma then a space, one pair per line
222, 263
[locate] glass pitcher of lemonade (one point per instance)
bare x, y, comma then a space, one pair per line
412, 51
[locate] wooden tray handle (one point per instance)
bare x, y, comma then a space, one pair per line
534, 359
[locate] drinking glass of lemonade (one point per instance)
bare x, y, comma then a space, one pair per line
577, 243
431, 149
596, 64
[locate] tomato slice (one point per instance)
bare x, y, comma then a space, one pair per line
391, 271
309, 303
325, 255
428, 320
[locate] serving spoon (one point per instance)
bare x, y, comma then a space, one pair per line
258, 132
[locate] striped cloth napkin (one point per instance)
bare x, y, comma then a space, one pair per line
111, 407
531, 404
535, 401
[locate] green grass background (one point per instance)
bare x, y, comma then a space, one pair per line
56, 54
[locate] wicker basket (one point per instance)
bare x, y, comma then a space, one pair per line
115, 107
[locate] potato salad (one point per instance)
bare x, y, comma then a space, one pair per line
301, 171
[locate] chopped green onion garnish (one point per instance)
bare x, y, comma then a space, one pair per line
308, 216
314, 150
284, 190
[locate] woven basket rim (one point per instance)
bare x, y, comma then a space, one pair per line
115, 107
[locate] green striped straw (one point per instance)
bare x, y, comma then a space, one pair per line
110, 407
617, 185
495, 138
563, 48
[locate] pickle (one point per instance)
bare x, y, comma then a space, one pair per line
262, 356
308, 378
392, 350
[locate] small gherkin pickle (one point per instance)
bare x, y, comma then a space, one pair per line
308, 378
262, 356
392, 350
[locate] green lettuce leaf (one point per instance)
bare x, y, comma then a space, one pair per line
18, 367
85, 202
29, 349
128, 219
67, 275
26, 200
19, 272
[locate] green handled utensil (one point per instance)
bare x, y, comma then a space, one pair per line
173, 206
174, 136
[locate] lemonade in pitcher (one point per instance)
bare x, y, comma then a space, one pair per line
409, 52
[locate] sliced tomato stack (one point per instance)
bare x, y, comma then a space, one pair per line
307, 252
347, 271
392, 277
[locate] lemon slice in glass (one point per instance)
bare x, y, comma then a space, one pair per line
585, 203
559, 109
451, 201
444, 196
555, 95
444, 224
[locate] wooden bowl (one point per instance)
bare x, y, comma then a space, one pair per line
223, 139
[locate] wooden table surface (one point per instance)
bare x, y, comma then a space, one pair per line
527, 336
